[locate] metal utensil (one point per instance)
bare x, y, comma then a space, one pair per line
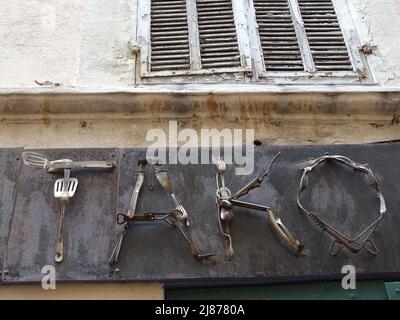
276, 221
360, 241
178, 217
64, 189
256, 182
226, 201
130, 214
174, 218
225, 212
165, 181
34, 159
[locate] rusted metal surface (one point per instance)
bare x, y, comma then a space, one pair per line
154, 251
10, 163
177, 217
341, 241
89, 222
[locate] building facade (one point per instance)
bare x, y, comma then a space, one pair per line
100, 74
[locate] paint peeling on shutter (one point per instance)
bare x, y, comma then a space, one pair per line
277, 36
169, 35
217, 34
324, 35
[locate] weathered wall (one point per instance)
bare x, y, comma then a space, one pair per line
89, 291
40, 40
73, 42
84, 43
378, 23
68, 120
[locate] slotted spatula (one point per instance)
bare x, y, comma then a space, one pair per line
64, 189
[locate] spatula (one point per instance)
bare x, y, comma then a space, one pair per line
64, 189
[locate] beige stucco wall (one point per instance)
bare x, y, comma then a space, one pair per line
40, 40
105, 291
85, 43
73, 42
378, 23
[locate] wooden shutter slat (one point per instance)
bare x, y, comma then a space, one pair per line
169, 35
324, 35
277, 36
217, 34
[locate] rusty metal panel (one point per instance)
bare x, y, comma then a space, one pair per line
156, 251
89, 222
10, 165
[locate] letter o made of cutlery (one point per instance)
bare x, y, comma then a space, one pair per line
362, 240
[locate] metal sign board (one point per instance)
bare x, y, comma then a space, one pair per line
89, 221
155, 251
10, 164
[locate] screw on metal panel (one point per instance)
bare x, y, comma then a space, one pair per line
113, 272
116, 271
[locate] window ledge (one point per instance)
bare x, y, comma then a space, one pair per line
201, 89
191, 99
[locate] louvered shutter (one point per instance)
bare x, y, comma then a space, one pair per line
318, 42
324, 35
277, 36
206, 37
217, 34
169, 35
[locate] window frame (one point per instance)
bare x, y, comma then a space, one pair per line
252, 67
144, 40
353, 45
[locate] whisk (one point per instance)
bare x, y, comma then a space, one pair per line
35, 159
